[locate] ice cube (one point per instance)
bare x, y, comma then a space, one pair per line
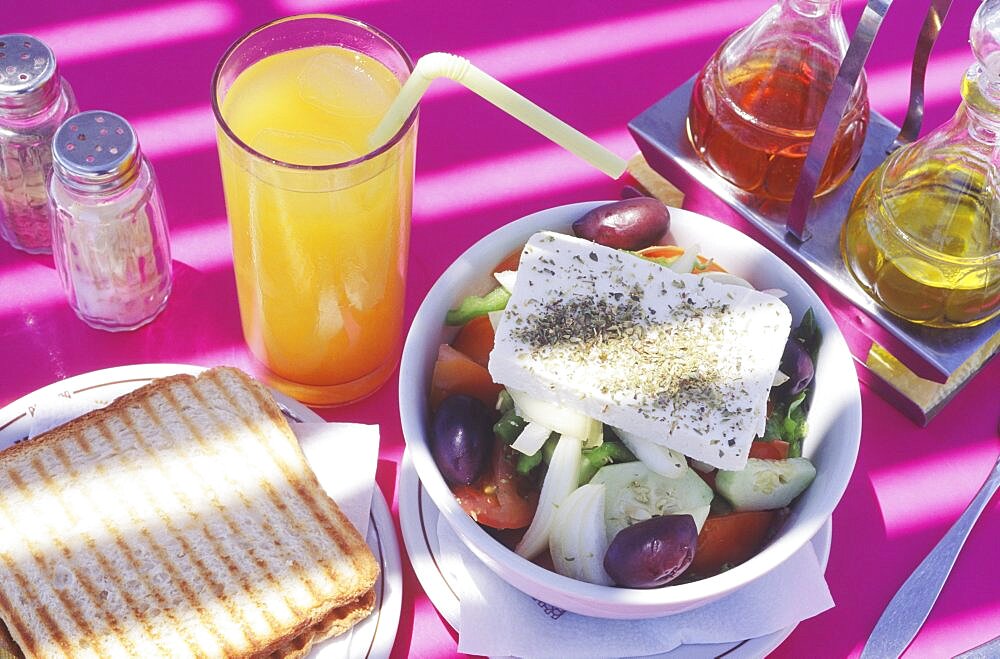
329, 318
338, 84
302, 148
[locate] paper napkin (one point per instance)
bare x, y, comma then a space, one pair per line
344, 457
498, 620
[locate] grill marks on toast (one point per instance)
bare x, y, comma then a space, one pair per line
273, 497
28, 592
6, 640
68, 465
164, 472
46, 564
146, 536
196, 435
89, 587
322, 510
219, 424
192, 504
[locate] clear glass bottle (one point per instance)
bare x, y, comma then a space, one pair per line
110, 240
34, 101
756, 103
921, 236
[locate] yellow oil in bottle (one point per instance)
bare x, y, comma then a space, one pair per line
926, 248
922, 236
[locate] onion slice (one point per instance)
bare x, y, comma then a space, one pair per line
507, 279
531, 438
559, 419
660, 459
579, 538
560, 480
686, 261
727, 278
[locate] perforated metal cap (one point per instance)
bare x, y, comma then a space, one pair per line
27, 73
95, 151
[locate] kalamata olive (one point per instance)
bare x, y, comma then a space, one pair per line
462, 438
653, 552
628, 224
798, 366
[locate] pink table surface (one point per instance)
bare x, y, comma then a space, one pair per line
597, 65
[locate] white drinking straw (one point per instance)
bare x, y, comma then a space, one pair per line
445, 65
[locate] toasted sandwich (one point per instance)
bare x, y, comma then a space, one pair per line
181, 520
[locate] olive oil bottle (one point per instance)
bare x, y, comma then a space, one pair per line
922, 236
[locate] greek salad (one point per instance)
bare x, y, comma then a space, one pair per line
624, 412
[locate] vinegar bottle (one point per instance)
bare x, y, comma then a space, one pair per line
922, 236
756, 103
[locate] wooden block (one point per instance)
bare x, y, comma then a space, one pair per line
652, 183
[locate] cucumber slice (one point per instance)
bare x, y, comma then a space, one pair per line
765, 484
558, 419
635, 493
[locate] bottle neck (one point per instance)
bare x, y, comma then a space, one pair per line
981, 104
814, 8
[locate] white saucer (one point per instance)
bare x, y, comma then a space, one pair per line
418, 518
373, 637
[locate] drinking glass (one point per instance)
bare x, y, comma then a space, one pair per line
319, 217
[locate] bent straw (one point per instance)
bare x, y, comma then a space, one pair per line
445, 65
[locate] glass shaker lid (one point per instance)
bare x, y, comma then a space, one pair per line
26, 65
95, 151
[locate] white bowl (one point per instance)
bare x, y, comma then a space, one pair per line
831, 443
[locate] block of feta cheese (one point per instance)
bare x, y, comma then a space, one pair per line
678, 359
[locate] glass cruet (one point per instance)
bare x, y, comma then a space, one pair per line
921, 236
756, 103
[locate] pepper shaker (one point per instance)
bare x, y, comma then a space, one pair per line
34, 101
109, 231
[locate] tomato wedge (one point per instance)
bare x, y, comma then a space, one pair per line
775, 449
454, 373
730, 539
673, 251
501, 498
475, 340
510, 262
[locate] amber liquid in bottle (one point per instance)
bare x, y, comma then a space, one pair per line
753, 125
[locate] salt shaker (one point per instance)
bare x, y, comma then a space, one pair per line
109, 231
34, 101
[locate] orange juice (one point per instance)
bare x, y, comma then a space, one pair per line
319, 247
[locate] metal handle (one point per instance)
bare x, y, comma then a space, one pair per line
833, 112
843, 87
936, 14
913, 602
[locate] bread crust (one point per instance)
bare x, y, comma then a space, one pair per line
353, 598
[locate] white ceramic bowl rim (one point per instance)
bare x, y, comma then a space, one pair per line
834, 436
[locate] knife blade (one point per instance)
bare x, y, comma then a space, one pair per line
987, 650
912, 603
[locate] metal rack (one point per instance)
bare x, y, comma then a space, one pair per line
808, 229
